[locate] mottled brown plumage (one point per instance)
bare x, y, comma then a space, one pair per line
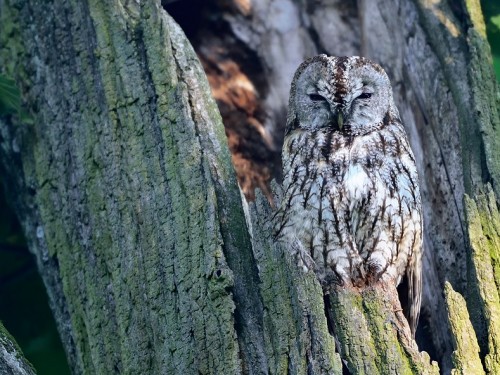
351, 207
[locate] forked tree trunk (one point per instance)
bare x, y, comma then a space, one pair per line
153, 262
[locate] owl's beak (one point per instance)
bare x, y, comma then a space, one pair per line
340, 120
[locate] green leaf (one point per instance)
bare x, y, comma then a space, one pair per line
495, 20
496, 65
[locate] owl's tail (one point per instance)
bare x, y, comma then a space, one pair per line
414, 279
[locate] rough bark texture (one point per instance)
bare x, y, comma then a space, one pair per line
12, 361
128, 200
483, 221
295, 326
466, 349
374, 337
124, 186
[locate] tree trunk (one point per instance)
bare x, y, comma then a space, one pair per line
123, 184
12, 361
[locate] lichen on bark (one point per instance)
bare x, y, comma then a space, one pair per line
484, 301
373, 334
297, 339
465, 356
121, 167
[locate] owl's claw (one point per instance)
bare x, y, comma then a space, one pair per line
305, 261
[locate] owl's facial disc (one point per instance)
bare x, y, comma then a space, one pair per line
351, 95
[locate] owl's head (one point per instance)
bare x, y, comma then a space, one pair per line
351, 95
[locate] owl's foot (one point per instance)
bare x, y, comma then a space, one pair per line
302, 257
365, 274
305, 261
358, 276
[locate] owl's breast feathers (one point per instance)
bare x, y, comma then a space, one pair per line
352, 202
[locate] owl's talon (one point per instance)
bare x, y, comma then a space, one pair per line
306, 262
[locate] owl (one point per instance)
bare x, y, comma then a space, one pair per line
351, 208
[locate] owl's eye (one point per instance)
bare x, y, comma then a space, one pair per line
365, 95
316, 97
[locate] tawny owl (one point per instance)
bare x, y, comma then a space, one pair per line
351, 205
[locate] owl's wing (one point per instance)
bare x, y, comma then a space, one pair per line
401, 218
410, 193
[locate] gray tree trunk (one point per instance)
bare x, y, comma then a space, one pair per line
153, 262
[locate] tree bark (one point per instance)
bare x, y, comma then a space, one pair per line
466, 349
12, 361
116, 187
153, 262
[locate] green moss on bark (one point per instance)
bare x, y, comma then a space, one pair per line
485, 103
373, 333
483, 228
123, 170
466, 349
297, 339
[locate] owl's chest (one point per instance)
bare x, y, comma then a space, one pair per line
334, 175
356, 183
339, 183
345, 177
